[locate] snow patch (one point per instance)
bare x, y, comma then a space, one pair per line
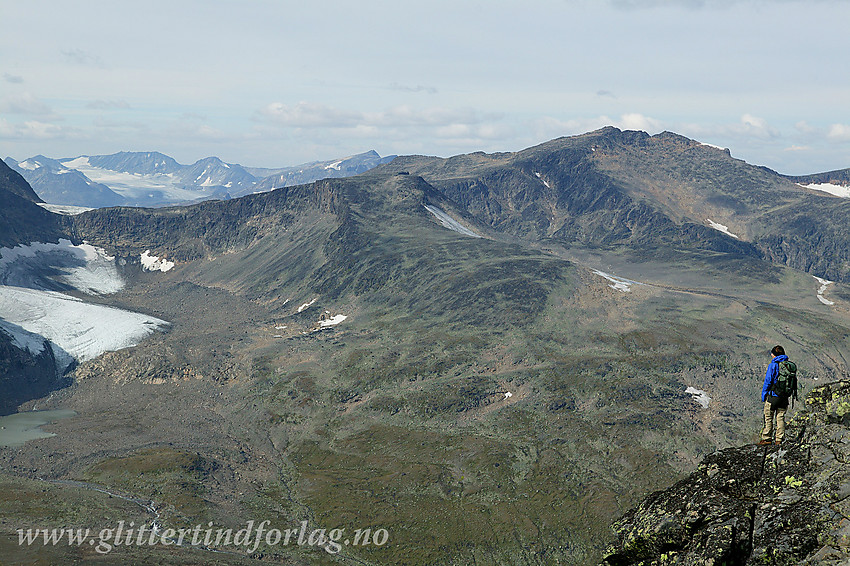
282, 327
66, 209
622, 285
307, 305
824, 283
714, 146
84, 267
332, 321
508, 394
335, 165
153, 263
539, 176
721, 228
449, 222
837, 190
699, 396
29, 166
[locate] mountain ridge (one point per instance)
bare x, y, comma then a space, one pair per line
155, 179
613, 187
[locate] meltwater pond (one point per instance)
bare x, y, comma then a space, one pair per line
16, 429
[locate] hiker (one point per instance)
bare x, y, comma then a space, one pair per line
780, 384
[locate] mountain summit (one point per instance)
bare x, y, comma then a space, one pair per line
651, 193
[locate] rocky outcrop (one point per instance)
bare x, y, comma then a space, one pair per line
25, 376
23, 221
839, 177
13, 182
787, 504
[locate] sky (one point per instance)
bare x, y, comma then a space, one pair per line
275, 83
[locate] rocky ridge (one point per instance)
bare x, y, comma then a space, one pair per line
787, 504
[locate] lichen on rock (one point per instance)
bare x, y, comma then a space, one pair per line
777, 505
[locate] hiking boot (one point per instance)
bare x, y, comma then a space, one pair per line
778, 442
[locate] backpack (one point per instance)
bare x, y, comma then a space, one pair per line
785, 385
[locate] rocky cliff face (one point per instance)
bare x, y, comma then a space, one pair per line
23, 375
787, 504
23, 221
13, 182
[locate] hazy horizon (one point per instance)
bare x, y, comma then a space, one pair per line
268, 84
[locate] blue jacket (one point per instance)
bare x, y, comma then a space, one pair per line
770, 376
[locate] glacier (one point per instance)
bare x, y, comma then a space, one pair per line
36, 312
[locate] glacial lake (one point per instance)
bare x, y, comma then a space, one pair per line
17, 429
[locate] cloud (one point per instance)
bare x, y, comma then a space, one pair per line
310, 115
404, 116
758, 127
549, 127
798, 148
607, 93
81, 57
639, 122
108, 105
690, 4
25, 103
31, 129
198, 131
417, 88
14, 79
804, 128
839, 132
405, 128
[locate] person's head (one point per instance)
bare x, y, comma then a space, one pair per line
777, 351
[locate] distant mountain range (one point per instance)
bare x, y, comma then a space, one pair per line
155, 179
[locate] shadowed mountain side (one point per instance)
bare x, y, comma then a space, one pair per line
192, 232
23, 375
651, 193
23, 220
12, 181
810, 235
